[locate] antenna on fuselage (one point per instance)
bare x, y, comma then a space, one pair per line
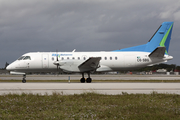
74, 50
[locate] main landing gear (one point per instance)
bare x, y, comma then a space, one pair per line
88, 80
24, 78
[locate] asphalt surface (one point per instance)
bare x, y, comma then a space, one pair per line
94, 77
78, 88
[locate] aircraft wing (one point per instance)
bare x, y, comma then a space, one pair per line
90, 64
158, 52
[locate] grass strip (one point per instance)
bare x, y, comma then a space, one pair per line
90, 106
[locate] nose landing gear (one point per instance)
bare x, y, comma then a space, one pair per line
24, 78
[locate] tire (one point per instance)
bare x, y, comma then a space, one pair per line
24, 81
88, 80
82, 80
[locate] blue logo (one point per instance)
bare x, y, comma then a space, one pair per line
62, 55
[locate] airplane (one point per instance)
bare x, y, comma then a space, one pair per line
155, 51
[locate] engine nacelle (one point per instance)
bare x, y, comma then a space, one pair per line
17, 73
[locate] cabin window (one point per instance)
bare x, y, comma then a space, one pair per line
52, 58
21, 58
27, 58
110, 58
105, 58
68, 58
73, 58
78, 58
115, 58
62, 58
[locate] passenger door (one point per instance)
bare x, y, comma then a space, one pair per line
45, 61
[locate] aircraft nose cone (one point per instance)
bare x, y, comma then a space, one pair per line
8, 67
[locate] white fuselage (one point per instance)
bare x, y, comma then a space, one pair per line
69, 61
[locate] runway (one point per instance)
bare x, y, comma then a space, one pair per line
94, 77
78, 88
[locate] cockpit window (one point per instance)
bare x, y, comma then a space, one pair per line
27, 58
21, 58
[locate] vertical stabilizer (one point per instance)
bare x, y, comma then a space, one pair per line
161, 38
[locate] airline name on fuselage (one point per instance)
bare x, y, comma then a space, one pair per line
62, 54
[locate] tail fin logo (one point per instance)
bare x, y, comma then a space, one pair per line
161, 38
164, 40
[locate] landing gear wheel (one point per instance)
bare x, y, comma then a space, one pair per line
88, 80
24, 80
82, 80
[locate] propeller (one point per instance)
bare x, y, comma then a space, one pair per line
57, 61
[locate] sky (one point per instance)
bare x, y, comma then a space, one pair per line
84, 25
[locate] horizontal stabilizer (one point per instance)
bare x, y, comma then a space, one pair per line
157, 63
158, 52
91, 64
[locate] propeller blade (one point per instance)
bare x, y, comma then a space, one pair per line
57, 55
57, 59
